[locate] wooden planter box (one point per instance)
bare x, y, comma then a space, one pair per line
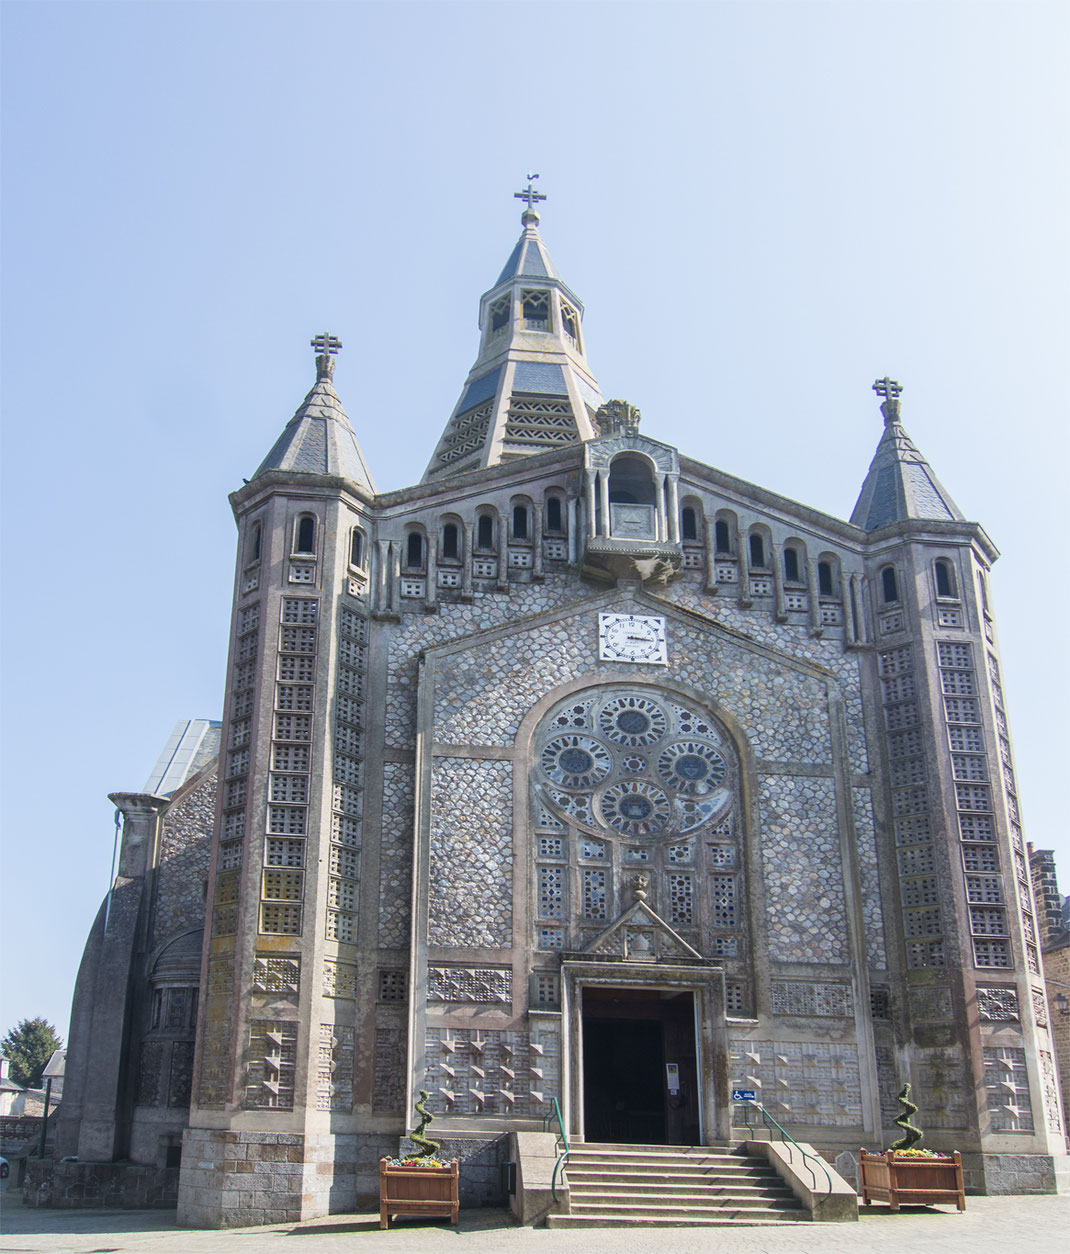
911, 1181
417, 1191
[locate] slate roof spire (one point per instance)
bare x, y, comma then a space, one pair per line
319, 438
900, 483
530, 388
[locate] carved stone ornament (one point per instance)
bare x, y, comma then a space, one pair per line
617, 418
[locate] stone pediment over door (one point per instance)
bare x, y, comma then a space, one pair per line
640, 935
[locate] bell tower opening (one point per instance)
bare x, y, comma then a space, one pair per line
640, 1078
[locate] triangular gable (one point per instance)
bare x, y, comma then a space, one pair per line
640, 935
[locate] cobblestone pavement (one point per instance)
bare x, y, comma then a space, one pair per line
1040, 1224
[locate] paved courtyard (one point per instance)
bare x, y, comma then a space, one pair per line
1039, 1224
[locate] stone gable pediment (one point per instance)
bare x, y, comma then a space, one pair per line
640, 935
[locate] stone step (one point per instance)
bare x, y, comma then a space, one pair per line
666, 1161
692, 1171
581, 1202
674, 1188
737, 1219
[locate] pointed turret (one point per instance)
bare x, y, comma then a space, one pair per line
900, 483
530, 388
319, 439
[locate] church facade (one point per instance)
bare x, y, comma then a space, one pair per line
580, 771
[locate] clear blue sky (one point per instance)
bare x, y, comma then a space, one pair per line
764, 206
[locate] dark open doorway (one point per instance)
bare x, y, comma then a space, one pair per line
630, 1039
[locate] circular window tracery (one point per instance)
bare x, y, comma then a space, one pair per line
633, 721
636, 765
576, 761
635, 808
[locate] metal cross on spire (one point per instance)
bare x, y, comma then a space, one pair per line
530, 195
325, 345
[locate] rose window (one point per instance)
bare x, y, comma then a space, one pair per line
639, 766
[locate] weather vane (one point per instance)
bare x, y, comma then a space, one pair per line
325, 345
530, 195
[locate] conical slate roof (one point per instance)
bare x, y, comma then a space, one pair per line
530, 389
900, 483
319, 439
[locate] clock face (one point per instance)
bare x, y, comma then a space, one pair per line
632, 638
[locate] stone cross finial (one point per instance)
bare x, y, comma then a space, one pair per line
889, 389
325, 345
531, 197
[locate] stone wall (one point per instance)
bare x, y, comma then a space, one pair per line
127, 1186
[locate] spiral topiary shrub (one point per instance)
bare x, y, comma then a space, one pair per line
911, 1135
428, 1148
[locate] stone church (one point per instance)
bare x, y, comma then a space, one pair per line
580, 770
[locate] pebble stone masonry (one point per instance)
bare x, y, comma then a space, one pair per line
575, 723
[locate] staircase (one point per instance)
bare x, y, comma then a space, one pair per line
673, 1187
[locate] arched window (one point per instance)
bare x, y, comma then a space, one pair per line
484, 532
721, 537
306, 534
824, 579
945, 578
631, 481
499, 314
757, 550
451, 541
791, 566
688, 523
889, 585
414, 551
536, 307
520, 522
554, 514
254, 543
356, 547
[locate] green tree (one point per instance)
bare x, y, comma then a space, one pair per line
28, 1048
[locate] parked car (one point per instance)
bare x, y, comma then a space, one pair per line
5, 1168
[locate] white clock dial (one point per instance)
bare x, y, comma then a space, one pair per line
632, 638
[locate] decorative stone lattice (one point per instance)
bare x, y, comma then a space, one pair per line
803, 875
888, 1085
813, 1083
869, 875
474, 1072
824, 1000
334, 1076
1008, 1101
471, 853
930, 1005
998, 1005
395, 864
1040, 1006
470, 984
942, 1087
388, 1093
1051, 1091
280, 976
339, 979
270, 1063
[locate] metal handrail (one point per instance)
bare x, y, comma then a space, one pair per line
562, 1136
786, 1136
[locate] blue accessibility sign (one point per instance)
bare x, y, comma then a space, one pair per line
743, 1095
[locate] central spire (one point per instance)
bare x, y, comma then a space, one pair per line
530, 388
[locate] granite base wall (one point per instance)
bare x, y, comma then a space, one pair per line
1025, 1173
240, 1179
117, 1186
